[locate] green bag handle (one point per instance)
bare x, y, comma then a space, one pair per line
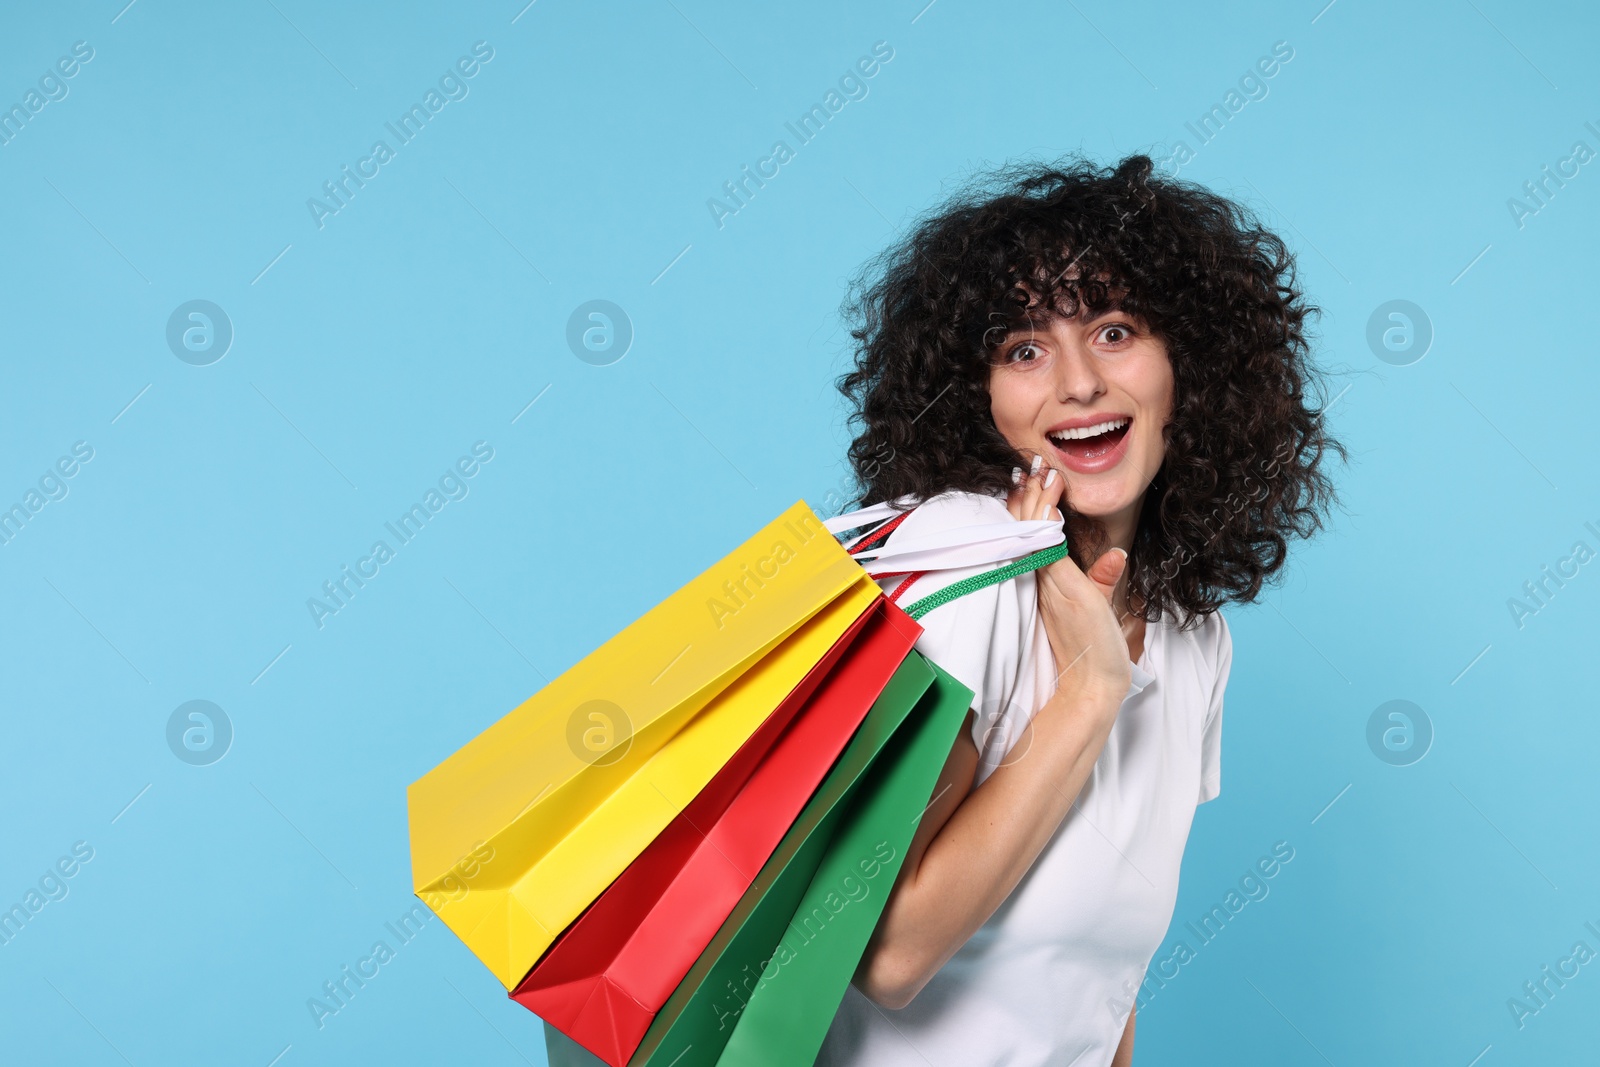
1042, 558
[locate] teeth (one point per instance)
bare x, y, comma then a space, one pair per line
1088, 431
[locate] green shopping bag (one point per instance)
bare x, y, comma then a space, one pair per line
700, 1014
767, 988
788, 1014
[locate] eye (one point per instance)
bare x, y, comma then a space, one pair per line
1027, 352
1117, 333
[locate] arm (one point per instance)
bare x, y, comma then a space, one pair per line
973, 846
1124, 1056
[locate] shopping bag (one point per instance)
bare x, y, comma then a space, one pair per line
608, 975
524, 826
918, 712
793, 1004
773, 990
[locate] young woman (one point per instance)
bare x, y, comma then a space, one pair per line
1125, 354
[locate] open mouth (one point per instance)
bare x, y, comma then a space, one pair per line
1089, 443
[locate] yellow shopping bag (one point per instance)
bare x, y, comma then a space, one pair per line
523, 827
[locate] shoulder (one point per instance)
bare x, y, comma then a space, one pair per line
1214, 636
1208, 644
978, 636
951, 536
1224, 638
956, 507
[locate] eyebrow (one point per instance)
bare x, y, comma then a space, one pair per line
1041, 317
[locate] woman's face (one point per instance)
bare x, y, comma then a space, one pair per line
1091, 396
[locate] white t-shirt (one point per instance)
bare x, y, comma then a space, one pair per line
1049, 978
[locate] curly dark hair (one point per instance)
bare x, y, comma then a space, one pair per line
1244, 447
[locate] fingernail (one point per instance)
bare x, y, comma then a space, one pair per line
1016, 475
1050, 476
1036, 461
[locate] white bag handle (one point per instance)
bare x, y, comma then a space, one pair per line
951, 548
866, 516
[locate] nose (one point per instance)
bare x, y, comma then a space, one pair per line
1077, 377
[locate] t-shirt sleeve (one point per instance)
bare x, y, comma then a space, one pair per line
987, 639
981, 639
1211, 735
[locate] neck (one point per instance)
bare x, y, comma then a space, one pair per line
1100, 534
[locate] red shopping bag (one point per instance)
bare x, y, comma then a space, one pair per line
608, 975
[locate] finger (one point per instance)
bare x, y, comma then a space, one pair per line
1063, 578
1051, 486
1015, 497
1066, 579
1017, 500
1108, 570
1032, 482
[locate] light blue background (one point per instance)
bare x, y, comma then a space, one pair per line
428, 313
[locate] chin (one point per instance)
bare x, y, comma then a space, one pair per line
1100, 501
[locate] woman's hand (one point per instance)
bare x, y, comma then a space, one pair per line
1085, 635
973, 845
